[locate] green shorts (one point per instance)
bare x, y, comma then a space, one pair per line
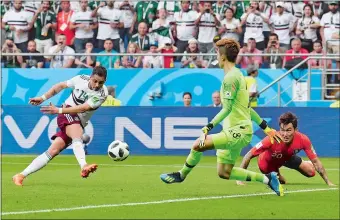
229, 144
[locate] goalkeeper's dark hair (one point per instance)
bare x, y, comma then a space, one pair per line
287, 118
100, 71
229, 48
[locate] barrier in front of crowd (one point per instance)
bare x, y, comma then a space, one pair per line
135, 85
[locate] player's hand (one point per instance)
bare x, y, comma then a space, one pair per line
36, 101
202, 140
50, 109
240, 183
330, 183
205, 131
273, 135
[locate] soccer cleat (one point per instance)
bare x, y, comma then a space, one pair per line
18, 179
172, 178
274, 183
87, 169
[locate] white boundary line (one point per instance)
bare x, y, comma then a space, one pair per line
139, 165
160, 202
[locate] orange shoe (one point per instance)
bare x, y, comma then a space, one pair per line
18, 179
87, 169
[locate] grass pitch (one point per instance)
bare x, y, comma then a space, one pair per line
132, 189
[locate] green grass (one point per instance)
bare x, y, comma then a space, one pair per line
60, 186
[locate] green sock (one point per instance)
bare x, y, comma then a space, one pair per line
247, 175
192, 160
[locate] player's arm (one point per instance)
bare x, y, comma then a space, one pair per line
247, 158
271, 133
311, 154
50, 93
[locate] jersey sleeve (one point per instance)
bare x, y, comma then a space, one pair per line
96, 101
71, 83
308, 148
230, 87
261, 147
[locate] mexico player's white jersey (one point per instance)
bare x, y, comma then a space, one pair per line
83, 94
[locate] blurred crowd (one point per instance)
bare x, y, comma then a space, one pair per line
82, 28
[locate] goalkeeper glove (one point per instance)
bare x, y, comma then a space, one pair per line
205, 131
271, 133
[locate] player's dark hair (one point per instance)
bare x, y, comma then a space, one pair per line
229, 47
287, 118
100, 71
187, 93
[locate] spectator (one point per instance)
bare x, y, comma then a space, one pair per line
44, 22
240, 7
170, 7
187, 99
32, 61
55, 6
111, 98
295, 8
146, 11
5, 6
294, 52
307, 27
219, 9
109, 62
153, 59
213, 61
266, 8
252, 72
86, 61
31, 8
249, 48
319, 8
273, 48
110, 21
61, 61
63, 22
93, 4
168, 48
132, 61
230, 26
336, 104
282, 24
17, 24
216, 99
330, 30
207, 22
319, 63
193, 61
84, 24
127, 13
254, 20
14, 61
142, 39
162, 24
185, 26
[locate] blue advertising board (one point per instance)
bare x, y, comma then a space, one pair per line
155, 130
134, 85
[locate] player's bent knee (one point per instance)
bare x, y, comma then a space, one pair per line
223, 175
311, 173
77, 143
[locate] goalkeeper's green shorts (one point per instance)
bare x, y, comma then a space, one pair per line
229, 144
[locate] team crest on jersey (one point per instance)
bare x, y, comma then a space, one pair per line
76, 118
227, 94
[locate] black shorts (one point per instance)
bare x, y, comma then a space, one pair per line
293, 163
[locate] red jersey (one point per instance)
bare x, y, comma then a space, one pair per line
168, 60
291, 55
63, 26
276, 154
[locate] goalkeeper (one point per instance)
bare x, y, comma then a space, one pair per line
237, 128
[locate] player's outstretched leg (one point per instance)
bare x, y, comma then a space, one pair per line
40, 161
75, 132
228, 171
192, 160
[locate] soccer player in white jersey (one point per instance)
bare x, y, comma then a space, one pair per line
89, 92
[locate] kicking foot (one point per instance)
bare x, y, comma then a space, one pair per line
18, 179
274, 183
87, 169
172, 178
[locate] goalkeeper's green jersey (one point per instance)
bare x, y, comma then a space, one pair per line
234, 88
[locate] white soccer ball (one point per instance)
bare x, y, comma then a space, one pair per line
118, 150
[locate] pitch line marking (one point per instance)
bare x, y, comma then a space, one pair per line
160, 202
140, 165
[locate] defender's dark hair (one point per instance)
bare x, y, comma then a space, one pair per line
287, 118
